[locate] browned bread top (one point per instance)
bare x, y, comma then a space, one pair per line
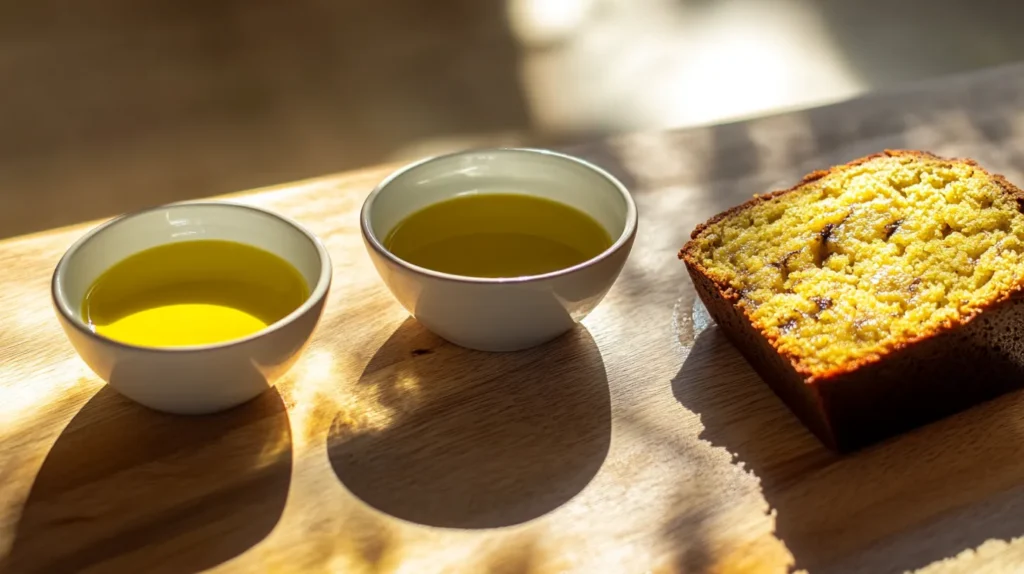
868, 257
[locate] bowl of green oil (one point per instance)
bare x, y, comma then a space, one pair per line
502, 249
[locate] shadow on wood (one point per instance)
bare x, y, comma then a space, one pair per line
125, 488
853, 513
477, 440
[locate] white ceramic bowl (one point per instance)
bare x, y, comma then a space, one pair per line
203, 378
500, 314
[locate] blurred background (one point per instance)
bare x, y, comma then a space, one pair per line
107, 106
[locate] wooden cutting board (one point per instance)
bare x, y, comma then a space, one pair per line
640, 442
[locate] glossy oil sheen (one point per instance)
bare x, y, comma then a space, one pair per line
193, 293
497, 235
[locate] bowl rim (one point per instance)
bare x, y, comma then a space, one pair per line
628, 230
317, 293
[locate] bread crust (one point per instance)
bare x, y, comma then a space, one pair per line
940, 371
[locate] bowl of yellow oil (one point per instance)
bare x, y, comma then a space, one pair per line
193, 307
501, 249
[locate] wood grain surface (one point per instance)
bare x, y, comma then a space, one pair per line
639, 442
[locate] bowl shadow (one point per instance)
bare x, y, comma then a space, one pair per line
128, 489
477, 440
897, 506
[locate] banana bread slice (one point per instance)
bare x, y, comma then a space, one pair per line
875, 296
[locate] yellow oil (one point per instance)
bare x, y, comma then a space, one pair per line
193, 293
497, 235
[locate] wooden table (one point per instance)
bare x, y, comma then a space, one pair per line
637, 443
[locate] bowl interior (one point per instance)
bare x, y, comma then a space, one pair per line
114, 241
544, 174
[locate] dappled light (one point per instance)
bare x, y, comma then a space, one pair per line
695, 62
319, 394
638, 441
30, 388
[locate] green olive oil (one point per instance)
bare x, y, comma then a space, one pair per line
497, 235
